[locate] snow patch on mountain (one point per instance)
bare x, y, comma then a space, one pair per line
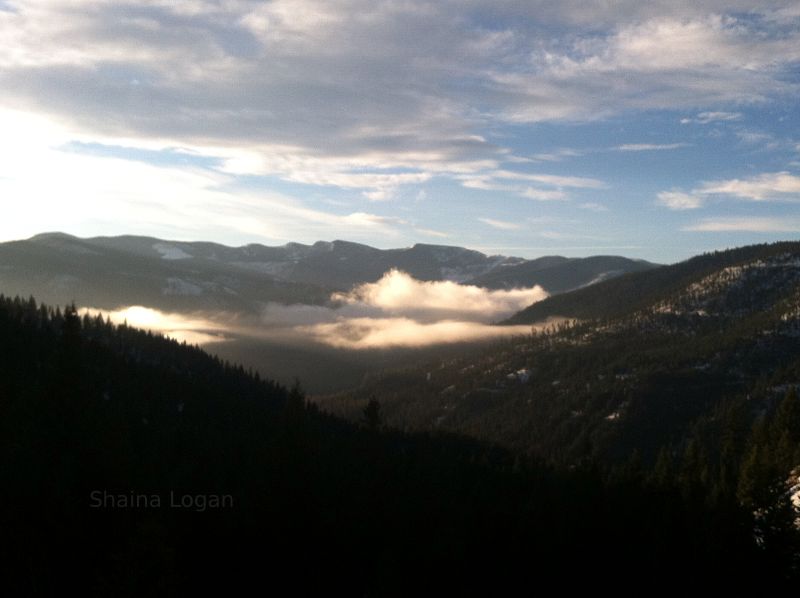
170, 252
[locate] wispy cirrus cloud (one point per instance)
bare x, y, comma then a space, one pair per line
771, 186
776, 186
746, 224
557, 155
705, 118
649, 147
536, 186
593, 206
501, 224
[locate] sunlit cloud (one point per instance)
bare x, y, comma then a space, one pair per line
180, 327
373, 333
56, 189
400, 311
398, 293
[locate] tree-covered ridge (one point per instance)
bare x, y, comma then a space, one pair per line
697, 385
641, 290
315, 502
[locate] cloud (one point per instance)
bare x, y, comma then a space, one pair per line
399, 310
557, 155
325, 93
554, 180
518, 183
543, 194
593, 206
428, 232
746, 224
397, 293
677, 200
180, 327
501, 224
767, 186
705, 118
83, 193
644, 147
373, 333
770, 186
662, 62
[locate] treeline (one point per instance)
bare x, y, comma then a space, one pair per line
307, 501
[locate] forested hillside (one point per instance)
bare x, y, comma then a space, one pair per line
94, 416
639, 290
691, 373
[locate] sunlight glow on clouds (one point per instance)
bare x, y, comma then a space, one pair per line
398, 293
396, 311
285, 108
374, 333
182, 328
399, 310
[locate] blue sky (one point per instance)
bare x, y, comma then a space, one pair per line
654, 130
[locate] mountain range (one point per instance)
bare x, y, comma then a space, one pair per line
110, 272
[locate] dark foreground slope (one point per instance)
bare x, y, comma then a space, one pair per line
94, 417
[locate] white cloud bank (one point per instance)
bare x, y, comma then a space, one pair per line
400, 311
398, 293
395, 311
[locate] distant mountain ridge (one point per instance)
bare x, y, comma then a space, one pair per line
625, 295
109, 272
560, 274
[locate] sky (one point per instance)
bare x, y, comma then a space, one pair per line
655, 130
